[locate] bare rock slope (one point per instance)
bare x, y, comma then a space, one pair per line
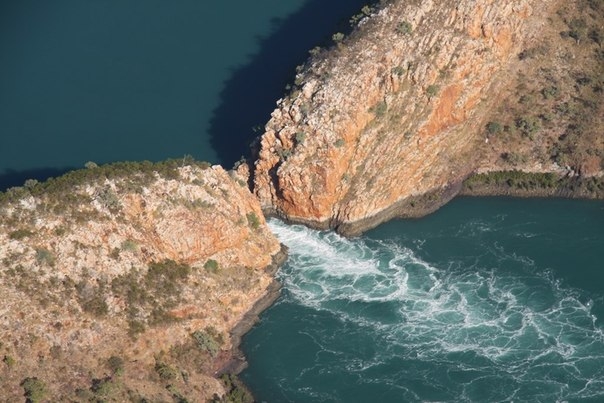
123, 282
392, 119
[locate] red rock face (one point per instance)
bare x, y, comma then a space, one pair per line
389, 114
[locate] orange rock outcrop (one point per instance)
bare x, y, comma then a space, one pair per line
394, 112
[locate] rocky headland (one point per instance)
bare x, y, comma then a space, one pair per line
391, 120
130, 281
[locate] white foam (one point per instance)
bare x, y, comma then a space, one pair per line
517, 324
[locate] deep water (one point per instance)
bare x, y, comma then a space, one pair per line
486, 300
120, 80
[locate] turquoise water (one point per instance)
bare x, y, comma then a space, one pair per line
132, 80
486, 300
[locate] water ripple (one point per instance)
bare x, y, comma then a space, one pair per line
477, 333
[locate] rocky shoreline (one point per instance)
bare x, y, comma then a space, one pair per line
237, 361
194, 181
411, 207
427, 95
527, 184
502, 183
179, 254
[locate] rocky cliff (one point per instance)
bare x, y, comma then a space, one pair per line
124, 282
391, 119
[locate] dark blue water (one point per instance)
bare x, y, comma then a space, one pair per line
132, 80
486, 300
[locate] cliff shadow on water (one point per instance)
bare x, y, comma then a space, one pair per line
249, 95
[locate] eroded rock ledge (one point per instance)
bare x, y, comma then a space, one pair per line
125, 281
390, 121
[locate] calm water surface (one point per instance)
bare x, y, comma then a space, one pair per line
133, 80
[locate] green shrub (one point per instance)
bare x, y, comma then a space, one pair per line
35, 389
178, 397
44, 256
60, 231
365, 12
151, 294
315, 51
549, 92
160, 316
20, 234
404, 28
109, 199
337, 37
103, 387
514, 158
578, 28
528, 125
129, 245
380, 109
339, 143
283, 154
9, 361
526, 99
514, 179
30, 183
300, 137
115, 365
169, 270
532, 52
253, 220
208, 340
211, 265
135, 327
165, 371
95, 305
494, 128
398, 70
432, 90
236, 392
596, 36
62, 188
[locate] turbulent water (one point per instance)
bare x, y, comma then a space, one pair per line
404, 318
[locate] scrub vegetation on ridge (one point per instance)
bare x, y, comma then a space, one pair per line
551, 114
423, 95
133, 276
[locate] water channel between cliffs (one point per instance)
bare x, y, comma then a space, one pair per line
487, 300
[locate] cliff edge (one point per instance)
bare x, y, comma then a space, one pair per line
392, 119
125, 281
